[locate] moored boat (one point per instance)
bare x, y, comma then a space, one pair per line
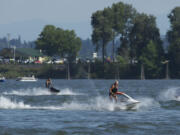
2, 79
27, 79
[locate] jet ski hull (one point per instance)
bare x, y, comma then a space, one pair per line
54, 90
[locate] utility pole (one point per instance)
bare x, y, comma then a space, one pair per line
167, 68
14, 53
89, 70
68, 72
8, 40
142, 72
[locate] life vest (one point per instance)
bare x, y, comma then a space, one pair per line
114, 90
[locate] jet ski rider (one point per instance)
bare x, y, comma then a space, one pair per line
48, 83
113, 91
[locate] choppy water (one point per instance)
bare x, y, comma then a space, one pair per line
83, 108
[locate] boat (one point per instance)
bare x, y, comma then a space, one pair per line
2, 79
27, 79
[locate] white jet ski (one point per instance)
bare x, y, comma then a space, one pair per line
128, 101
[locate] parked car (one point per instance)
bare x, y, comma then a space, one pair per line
37, 62
58, 61
49, 62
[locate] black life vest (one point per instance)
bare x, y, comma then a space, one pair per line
114, 90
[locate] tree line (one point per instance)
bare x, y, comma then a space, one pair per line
137, 34
139, 37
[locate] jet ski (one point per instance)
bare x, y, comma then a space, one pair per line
128, 101
54, 90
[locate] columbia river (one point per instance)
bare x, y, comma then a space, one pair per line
83, 108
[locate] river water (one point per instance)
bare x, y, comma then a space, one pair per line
83, 108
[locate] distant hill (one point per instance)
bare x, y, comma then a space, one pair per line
4, 43
88, 48
86, 51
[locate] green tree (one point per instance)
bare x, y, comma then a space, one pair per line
143, 31
46, 40
173, 36
56, 41
110, 23
102, 32
145, 44
150, 58
123, 16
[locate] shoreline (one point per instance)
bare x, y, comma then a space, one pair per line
76, 71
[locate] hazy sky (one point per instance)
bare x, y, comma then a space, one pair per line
28, 17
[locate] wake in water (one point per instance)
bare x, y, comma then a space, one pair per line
6, 103
170, 94
170, 98
98, 104
39, 92
147, 103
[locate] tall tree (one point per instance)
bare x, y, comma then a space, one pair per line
102, 32
123, 15
143, 31
56, 41
150, 59
46, 40
146, 45
173, 36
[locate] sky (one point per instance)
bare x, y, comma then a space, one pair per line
27, 18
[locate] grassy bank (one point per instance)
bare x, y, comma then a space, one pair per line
76, 71
12, 71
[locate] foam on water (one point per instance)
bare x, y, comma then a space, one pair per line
146, 103
39, 92
6, 103
170, 94
68, 91
28, 92
98, 104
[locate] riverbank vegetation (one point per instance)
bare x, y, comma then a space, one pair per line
78, 71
